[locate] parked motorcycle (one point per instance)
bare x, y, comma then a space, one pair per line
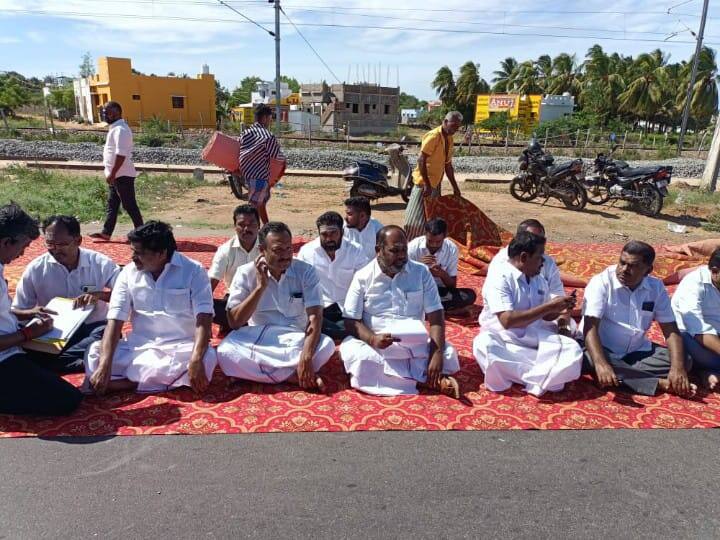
644, 187
540, 177
371, 179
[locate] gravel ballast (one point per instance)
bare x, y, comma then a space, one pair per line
325, 159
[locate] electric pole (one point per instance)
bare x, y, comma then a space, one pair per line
277, 66
693, 75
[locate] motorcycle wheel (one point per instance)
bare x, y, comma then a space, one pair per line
406, 190
597, 194
651, 202
236, 186
523, 189
577, 195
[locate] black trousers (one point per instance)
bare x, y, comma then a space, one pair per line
123, 192
456, 298
26, 388
220, 308
333, 324
70, 360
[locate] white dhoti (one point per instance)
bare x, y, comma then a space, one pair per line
155, 367
536, 357
268, 354
393, 371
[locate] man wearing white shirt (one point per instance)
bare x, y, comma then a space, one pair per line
25, 387
619, 306
440, 255
360, 226
389, 351
119, 172
167, 298
549, 270
335, 260
696, 304
519, 340
280, 300
241, 249
67, 271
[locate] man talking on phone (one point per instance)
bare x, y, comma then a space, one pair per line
275, 309
387, 294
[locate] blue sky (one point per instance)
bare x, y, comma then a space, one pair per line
39, 37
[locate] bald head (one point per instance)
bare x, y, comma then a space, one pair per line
391, 247
453, 121
392, 232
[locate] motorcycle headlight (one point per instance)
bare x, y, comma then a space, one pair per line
351, 170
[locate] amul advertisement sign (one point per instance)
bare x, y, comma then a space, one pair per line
501, 103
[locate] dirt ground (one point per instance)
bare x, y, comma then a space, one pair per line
301, 199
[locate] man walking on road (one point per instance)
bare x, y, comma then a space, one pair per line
258, 147
119, 172
435, 161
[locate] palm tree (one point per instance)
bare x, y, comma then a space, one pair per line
544, 69
444, 85
704, 101
524, 79
566, 75
500, 81
468, 86
602, 83
644, 94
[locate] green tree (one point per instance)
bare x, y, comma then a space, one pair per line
63, 98
469, 85
87, 69
222, 102
241, 94
13, 93
292, 83
499, 124
408, 101
525, 79
502, 76
444, 86
643, 96
704, 100
602, 83
566, 75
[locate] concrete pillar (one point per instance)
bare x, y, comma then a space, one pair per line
712, 164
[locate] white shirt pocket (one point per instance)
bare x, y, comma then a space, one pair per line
143, 299
414, 304
295, 307
177, 301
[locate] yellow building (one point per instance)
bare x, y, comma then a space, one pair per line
183, 101
525, 109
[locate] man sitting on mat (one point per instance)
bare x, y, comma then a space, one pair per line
167, 298
519, 340
389, 350
241, 249
335, 260
25, 387
360, 226
67, 271
696, 304
549, 270
280, 299
440, 255
619, 306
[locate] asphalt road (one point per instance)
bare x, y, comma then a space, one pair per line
601, 484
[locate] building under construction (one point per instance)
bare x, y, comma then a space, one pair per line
356, 109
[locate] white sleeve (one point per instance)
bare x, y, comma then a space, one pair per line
305, 254
219, 263
431, 296
663, 309
120, 299
688, 304
312, 292
595, 298
239, 289
25, 294
201, 295
354, 300
498, 294
123, 143
555, 284
452, 268
414, 251
110, 273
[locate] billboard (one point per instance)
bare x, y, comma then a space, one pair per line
501, 103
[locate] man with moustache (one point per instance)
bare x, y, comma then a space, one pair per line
388, 351
519, 340
335, 260
280, 300
360, 227
241, 249
67, 271
619, 306
168, 299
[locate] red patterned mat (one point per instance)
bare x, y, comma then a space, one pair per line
238, 407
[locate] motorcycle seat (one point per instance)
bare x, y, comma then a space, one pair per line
557, 168
637, 171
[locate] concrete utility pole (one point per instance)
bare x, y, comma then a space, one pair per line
277, 66
693, 75
712, 164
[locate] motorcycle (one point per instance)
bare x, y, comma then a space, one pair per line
237, 184
540, 177
644, 187
371, 179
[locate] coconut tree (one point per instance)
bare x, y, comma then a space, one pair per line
502, 75
704, 101
525, 79
602, 83
544, 70
469, 85
566, 75
444, 85
644, 94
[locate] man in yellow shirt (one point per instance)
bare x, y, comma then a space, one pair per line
434, 162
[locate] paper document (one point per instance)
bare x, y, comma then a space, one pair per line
410, 331
65, 323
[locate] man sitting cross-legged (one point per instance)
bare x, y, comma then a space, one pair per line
25, 387
280, 300
335, 259
696, 304
360, 227
620, 304
440, 255
67, 271
549, 270
167, 298
241, 249
389, 350
519, 340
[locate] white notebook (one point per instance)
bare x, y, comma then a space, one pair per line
65, 323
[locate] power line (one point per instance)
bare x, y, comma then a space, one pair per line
309, 45
246, 17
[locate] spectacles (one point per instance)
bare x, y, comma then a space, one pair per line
51, 244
